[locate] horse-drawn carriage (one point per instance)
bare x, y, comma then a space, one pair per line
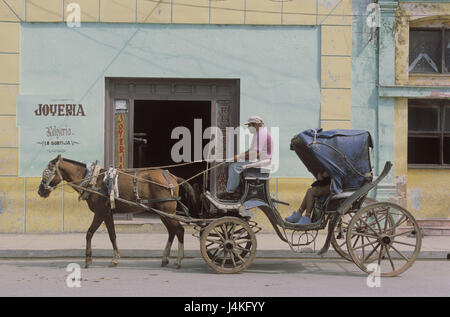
361, 230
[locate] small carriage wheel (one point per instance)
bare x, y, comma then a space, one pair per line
228, 245
242, 252
340, 233
377, 244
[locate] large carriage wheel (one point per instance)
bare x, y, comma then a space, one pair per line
228, 245
373, 238
339, 237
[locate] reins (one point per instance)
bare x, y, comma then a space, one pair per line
126, 172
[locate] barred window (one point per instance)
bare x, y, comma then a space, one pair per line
429, 50
429, 133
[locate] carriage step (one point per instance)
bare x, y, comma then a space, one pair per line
435, 227
431, 227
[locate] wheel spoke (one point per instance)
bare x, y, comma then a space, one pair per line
378, 224
404, 243
237, 254
224, 229
214, 249
386, 220
224, 259
242, 249
400, 221
368, 226
341, 245
380, 255
371, 252
216, 254
404, 257
246, 239
214, 241
356, 241
238, 233
402, 233
218, 233
232, 259
231, 232
390, 259
363, 245
364, 235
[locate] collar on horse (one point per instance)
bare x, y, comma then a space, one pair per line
90, 179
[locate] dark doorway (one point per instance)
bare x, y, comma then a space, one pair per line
154, 121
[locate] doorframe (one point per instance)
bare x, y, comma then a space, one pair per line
163, 89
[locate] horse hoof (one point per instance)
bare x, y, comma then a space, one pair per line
177, 266
88, 263
164, 263
113, 263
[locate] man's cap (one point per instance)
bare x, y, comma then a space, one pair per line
255, 120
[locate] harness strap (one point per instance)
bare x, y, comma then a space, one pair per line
166, 199
90, 179
110, 181
171, 186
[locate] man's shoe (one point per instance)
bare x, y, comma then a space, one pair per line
296, 216
304, 221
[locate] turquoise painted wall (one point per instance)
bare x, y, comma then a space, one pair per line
364, 73
373, 63
279, 69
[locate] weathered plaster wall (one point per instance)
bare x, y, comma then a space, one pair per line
424, 191
428, 193
21, 211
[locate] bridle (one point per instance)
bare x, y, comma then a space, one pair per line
49, 174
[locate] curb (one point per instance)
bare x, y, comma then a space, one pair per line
142, 253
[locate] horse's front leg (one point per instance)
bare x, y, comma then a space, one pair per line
96, 222
112, 236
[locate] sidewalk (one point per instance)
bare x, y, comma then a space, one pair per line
151, 245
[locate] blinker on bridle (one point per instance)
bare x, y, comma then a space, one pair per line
49, 174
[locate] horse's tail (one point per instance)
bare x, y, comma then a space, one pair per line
188, 197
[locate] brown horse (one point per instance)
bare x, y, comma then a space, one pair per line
74, 172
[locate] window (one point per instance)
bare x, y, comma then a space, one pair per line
429, 133
429, 50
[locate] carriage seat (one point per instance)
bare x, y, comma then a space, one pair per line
343, 194
257, 173
258, 170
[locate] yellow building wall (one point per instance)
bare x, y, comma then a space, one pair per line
428, 193
22, 210
425, 192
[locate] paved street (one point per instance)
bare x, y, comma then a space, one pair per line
266, 277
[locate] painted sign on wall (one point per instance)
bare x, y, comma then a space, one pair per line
121, 133
49, 127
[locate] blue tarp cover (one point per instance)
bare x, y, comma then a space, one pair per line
344, 154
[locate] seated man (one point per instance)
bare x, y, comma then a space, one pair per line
318, 189
260, 149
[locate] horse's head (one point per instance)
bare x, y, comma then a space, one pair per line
51, 177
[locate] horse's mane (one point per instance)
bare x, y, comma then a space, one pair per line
71, 161
75, 162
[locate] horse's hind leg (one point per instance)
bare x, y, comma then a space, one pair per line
109, 222
180, 237
166, 253
96, 222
